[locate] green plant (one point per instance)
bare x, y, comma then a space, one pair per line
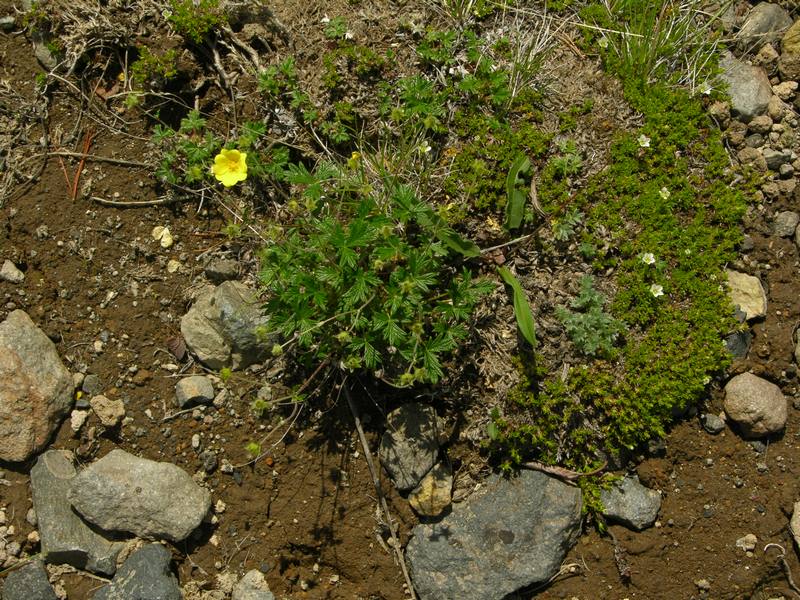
225, 374
569, 162
260, 407
589, 327
336, 28
564, 228
253, 449
195, 21
363, 277
154, 70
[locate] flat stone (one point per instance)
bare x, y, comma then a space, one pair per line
794, 523
752, 156
194, 390
35, 388
122, 492
221, 327
749, 87
10, 273
410, 445
738, 343
761, 124
776, 158
252, 586
146, 575
221, 269
65, 537
510, 534
764, 23
756, 405
110, 412
746, 292
786, 223
433, 494
28, 583
789, 62
630, 503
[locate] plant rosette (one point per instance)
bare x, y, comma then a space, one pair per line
230, 167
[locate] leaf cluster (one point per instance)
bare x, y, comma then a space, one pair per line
195, 21
590, 328
367, 280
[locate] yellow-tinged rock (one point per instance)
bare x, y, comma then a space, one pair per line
432, 496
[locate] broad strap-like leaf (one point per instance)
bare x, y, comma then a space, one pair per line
522, 309
515, 198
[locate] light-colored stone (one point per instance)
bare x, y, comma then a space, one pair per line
222, 327
35, 388
786, 223
752, 156
760, 124
110, 412
77, 418
193, 390
777, 109
433, 494
789, 63
252, 586
122, 492
794, 524
785, 90
10, 273
756, 405
748, 86
746, 292
764, 23
630, 503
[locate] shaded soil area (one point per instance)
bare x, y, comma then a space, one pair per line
99, 285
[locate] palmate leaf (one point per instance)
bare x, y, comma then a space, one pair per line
522, 310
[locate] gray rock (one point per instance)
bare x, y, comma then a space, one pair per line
765, 23
410, 445
756, 405
10, 273
144, 576
776, 158
35, 388
222, 269
786, 223
738, 343
194, 390
92, 386
7, 24
122, 492
712, 423
28, 583
630, 503
752, 156
221, 328
65, 537
748, 294
748, 86
761, 124
252, 586
510, 534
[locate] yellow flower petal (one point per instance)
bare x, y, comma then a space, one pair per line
230, 167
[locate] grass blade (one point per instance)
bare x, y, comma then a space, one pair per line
522, 309
515, 198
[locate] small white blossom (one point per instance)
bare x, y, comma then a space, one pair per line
706, 380
706, 88
644, 141
603, 42
325, 20
424, 147
687, 251
648, 258
656, 290
664, 193
349, 35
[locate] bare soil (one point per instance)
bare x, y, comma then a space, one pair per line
307, 516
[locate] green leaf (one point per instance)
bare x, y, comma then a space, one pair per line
463, 246
522, 309
515, 203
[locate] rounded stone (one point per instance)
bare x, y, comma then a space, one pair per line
756, 405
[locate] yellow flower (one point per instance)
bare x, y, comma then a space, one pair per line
230, 167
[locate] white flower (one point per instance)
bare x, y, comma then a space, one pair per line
648, 258
706, 380
603, 42
325, 20
687, 251
424, 147
656, 290
644, 141
664, 193
349, 35
706, 88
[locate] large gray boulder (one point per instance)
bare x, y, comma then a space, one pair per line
765, 23
410, 445
122, 492
65, 537
28, 583
748, 86
144, 576
35, 388
221, 327
756, 405
630, 503
511, 534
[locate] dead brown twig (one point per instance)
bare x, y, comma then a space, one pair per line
561, 472
72, 183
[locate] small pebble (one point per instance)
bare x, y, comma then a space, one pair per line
196, 441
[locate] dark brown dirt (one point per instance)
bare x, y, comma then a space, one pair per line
307, 516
